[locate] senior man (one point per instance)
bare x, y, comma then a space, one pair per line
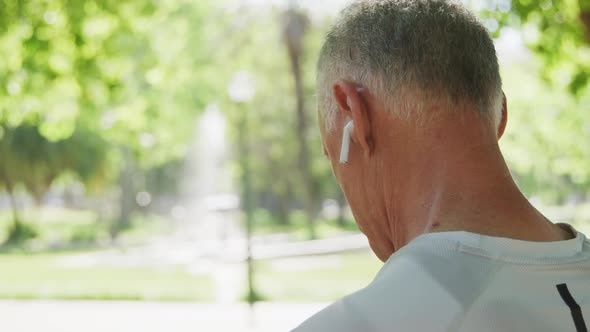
411, 109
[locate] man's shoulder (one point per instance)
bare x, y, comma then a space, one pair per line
411, 283
400, 293
341, 316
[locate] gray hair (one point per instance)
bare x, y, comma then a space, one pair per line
411, 53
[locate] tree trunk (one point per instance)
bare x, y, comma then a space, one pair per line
127, 194
69, 198
304, 160
284, 201
294, 32
15, 217
38, 196
341, 209
585, 17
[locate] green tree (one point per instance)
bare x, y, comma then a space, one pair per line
562, 41
282, 115
33, 162
133, 72
544, 139
557, 31
550, 115
9, 179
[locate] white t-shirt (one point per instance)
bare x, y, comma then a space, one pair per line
461, 281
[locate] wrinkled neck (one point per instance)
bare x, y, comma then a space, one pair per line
458, 180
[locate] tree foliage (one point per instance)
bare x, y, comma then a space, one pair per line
545, 141
127, 70
281, 177
84, 81
557, 31
562, 41
547, 152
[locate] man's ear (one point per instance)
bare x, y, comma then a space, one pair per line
352, 105
504, 119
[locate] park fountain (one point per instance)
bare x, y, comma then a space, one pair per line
207, 216
208, 237
208, 197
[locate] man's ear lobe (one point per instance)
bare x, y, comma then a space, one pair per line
351, 103
504, 115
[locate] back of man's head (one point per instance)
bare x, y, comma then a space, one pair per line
412, 54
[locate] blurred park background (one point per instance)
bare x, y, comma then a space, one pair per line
167, 150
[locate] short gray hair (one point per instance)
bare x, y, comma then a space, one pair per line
411, 53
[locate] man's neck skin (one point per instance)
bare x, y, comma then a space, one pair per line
459, 181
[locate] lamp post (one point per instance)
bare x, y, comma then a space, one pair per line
241, 90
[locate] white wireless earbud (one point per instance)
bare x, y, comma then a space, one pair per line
345, 142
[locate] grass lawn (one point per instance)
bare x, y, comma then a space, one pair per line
44, 276
306, 279
315, 278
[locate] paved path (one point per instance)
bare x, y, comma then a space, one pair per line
90, 316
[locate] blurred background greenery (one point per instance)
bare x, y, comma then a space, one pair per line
130, 131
